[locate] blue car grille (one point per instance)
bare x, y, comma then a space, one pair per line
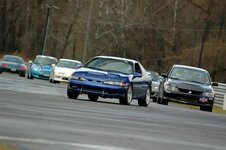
92, 90
101, 92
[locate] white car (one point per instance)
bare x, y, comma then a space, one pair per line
63, 70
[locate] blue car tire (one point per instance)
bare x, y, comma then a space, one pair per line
128, 97
93, 97
71, 94
145, 101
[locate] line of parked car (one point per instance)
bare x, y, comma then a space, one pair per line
120, 78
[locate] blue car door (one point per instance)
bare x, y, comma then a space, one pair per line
140, 83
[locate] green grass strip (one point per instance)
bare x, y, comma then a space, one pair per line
5, 147
216, 109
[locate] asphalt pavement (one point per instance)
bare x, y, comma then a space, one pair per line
37, 115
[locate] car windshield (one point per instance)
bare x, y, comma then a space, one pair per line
68, 64
45, 60
13, 59
188, 74
154, 75
111, 65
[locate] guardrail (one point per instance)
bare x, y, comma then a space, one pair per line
220, 92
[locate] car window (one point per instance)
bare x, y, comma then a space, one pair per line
45, 60
153, 75
13, 59
68, 64
111, 65
137, 68
190, 75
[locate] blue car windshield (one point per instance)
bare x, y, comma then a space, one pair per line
45, 60
13, 59
111, 65
192, 75
68, 64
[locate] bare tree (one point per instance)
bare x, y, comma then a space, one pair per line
70, 29
87, 34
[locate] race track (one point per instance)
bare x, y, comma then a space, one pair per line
37, 115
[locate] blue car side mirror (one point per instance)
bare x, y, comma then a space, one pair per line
137, 75
79, 66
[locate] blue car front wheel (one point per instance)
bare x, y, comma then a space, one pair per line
72, 94
128, 97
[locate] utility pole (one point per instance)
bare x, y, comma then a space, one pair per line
49, 6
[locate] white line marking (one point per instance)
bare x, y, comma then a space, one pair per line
50, 142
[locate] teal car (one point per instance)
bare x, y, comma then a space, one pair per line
41, 67
13, 64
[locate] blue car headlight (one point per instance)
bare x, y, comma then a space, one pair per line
74, 77
36, 68
116, 83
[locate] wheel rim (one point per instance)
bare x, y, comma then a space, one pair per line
147, 96
129, 95
161, 95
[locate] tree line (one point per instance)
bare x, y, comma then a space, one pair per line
158, 33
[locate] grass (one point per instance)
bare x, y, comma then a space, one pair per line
5, 147
216, 109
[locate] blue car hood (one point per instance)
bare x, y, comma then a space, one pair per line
92, 74
44, 67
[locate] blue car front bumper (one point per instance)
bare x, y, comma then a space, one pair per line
41, 75
97, 88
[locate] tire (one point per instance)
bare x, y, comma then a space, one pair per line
146, 100
72, 95
53, 81
93, 97
154, 99
29, 76
160, 99
206, 108
22, 75
50, 81
128, 98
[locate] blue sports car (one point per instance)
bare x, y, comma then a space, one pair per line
41, 67
111, 77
